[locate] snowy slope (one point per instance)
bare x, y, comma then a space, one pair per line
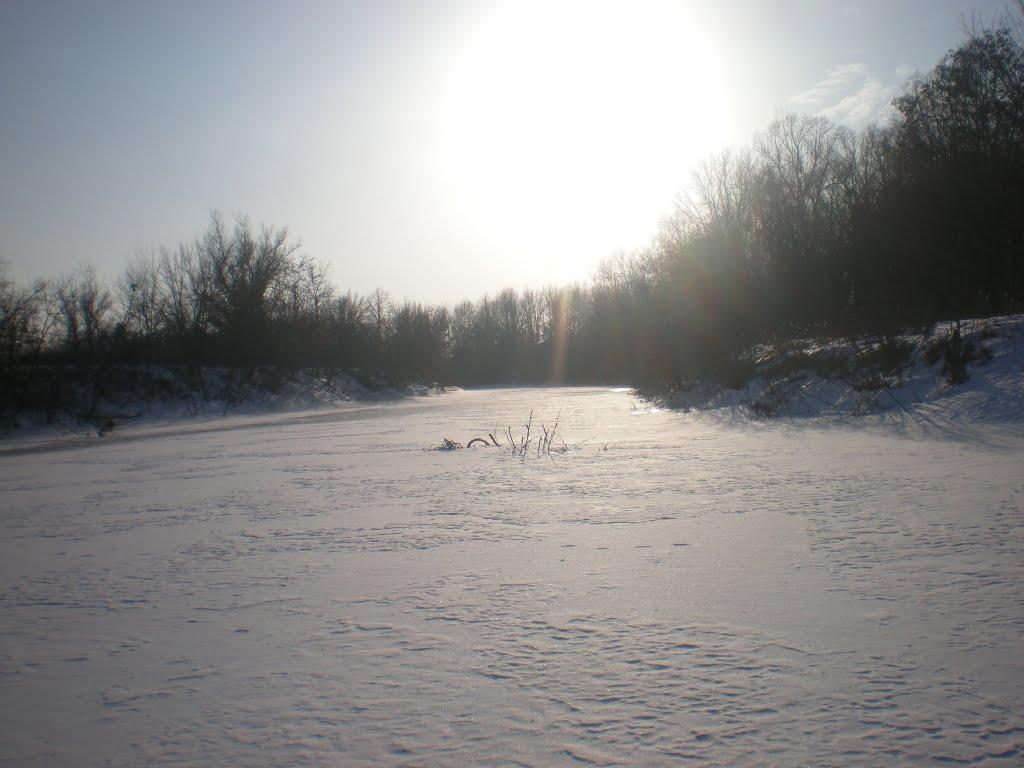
325, 589
146, 396
919, 389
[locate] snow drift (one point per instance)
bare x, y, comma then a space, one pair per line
908, 374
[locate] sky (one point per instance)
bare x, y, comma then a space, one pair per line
440, 149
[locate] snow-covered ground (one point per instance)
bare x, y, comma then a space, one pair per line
134, 395
323, 589
850, 383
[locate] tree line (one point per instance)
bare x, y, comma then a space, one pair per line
811, 229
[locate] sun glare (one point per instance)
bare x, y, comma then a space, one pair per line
571, 125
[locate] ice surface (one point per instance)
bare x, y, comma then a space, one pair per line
323, 589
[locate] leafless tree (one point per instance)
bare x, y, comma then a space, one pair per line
380, 311
141, 296
26, 318
84, 306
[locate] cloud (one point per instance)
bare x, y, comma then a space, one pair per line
837, 79
869, 104
850, 95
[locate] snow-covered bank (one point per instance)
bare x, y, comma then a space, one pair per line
904, 376
101, 402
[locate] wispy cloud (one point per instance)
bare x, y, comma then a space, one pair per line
871, 103
836, 80
850, 94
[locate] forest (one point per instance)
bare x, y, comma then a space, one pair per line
813, 229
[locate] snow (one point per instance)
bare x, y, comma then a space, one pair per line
323, 588
150, 394
994, 392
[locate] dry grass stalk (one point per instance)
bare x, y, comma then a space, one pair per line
543, 444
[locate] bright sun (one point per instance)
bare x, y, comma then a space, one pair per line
570, 125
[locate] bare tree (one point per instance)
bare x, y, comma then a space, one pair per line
25, 319
380, 311
84, 306
141, 296
317, 287
247, 271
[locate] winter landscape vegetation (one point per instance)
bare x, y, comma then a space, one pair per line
749, 494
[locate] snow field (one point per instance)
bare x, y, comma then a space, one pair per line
323, 589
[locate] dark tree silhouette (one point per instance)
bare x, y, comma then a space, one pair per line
813, 229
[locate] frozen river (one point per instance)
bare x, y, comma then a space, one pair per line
323, 589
